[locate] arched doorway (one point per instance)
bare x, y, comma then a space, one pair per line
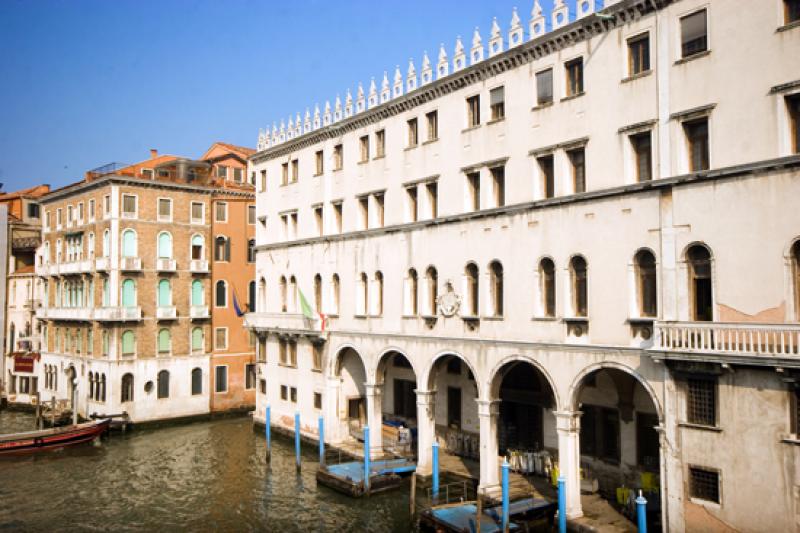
619, 441
397, 381
348, 412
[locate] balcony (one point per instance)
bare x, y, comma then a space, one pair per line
64, 313
166, 312
294, 323
198, 312
101, 264
130, 264
165, 265
198, 266
118, 314
75, 267
758, 343
47, 269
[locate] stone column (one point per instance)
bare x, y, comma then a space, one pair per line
568, 425
488, 411
375, 418
671, 474
426, 430
331, 412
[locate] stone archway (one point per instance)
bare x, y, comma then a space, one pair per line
346, 394
394, 403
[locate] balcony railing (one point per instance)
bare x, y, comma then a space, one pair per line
64, 313
166, 312
118, 313
199, 266
75, 267
198, 311
728, 338
130, 263
165, 265
101, 264
284, 322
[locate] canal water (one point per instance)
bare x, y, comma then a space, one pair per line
203, 476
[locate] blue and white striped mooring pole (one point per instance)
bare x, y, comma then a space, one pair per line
641, 513
435, 460
267, 423
366, 459
297, 439
321, 441
505, 495
562, 504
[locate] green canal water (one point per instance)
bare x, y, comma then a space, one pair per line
204, 476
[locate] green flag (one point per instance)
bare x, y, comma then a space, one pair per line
305, 307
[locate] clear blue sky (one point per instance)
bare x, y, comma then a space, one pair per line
84, 83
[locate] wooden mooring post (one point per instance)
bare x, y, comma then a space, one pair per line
413, 497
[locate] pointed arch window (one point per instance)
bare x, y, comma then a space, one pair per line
336, 292
362, 298
471, 290
127, 388
292, 294
251, 297
221, 294
412, 293
578, 273
164, 245
318, 292
128, 243
547, 286
496, 287
128, 293
197, 292
646, 295
432, 290
378, 311
283, 289
262, 295
163, 384
222, 249
700, 283
197, 381
796, 277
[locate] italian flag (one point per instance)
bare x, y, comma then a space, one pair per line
308, 312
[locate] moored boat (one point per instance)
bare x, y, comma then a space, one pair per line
51, 439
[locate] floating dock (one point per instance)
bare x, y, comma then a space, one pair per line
349, 478
525, 515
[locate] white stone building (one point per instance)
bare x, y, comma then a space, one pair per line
582, 240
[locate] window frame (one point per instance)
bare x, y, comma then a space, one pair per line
202, 219
217, 331
217, 389
497, 110
683, 53
574, 77
638, 60
224, 206
135, 213
159, 216
538, 78
473, 103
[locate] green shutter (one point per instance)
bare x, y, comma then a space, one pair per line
128, 243
197, 339
165, 246
128, 293
197, 292
164, 291
163, 341
127, 342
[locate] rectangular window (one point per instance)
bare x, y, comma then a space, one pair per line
363, 205
473, 111
642, 156
791, 11
380, 143
694, 34
221, 338
432, 120
432, 189
222, 172
577, 160
251, 214
474, 191
47, 220
317, 400
295, 170
253, 178
80, 213
220, 378
497, 103
546, 170
413, 132
363, 143
197, 213
701, 401
263, 181
128, 205
338, 157
221, 212
250, 376
574, 70
70, 217
316, 354
284, 173
318, 219
379, 209
793, 104
58, 218
263, 386
638, 54
237, 175
411, 198
284, 392
697, 144
164, 209
499, 186
544, 87
106, 205
319, 163
337, 216
91, 209
704, 484
293, 394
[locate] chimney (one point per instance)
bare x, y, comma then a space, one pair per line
153, 153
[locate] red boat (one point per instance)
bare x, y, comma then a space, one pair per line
51, 439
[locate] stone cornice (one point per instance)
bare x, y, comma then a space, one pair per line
769, 165
573, 33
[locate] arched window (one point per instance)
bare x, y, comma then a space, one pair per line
318, 292
496, 287
197, 292
547, 286
164, 293
197, 381
796, 277
128, 343
251, 251
362, 298
251, 297
128, 293
700, 286
336, 292
46, 255
197, 339
222, 249
163, 384
283, 293
106, 243
106, 293
127, 388
164, 245
103, 388
292, 294
11, 331
262, 295
432, 292
471, 289
197, 247
164, 341
646, 296
128, 243
221, 294
412, 293
91, 385
378, 293
577, 267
